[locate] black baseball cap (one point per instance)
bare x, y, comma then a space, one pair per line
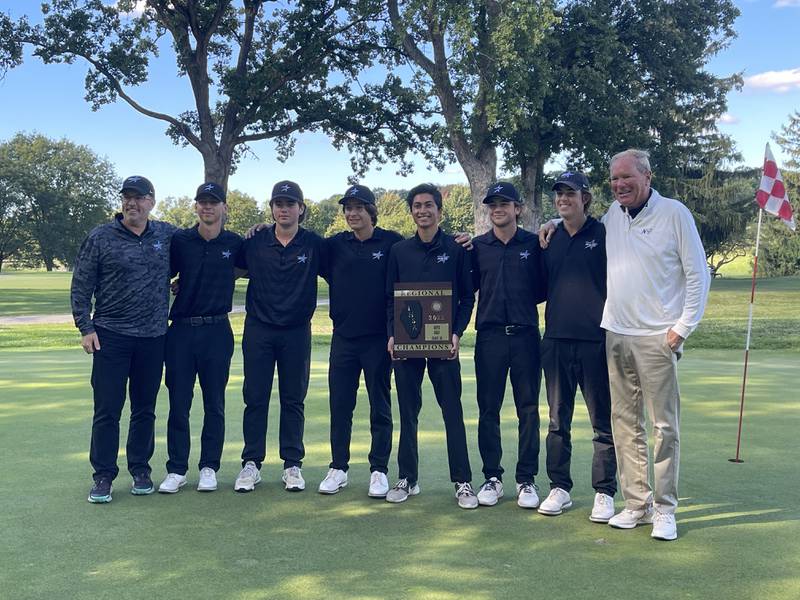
574, 180
502, 189
140, 185
358, 192
210, 190
288, 190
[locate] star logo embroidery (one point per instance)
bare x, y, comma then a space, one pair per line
352, 190
226, 254
208, 187
524, 255
285, 188
498, 189
647, 231
567, 174
377, 255
157, 246
134, 179
302, 258
591, 245
442, 258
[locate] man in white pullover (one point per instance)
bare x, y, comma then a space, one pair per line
657, 290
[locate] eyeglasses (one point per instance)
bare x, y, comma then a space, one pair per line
137, 198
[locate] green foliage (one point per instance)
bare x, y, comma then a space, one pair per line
321, 215
457, 210
243, 212
56, 191
393, 213
256, 69
178, 211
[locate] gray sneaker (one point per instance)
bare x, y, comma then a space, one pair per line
293, 479
490, 492
248, 478
628, 519
526, 495
401, 491
466, 495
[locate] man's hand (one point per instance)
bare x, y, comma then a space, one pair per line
175, 286
90, 342
546, 232
254, 230
674, 341
390, 348
454, 347
464, 239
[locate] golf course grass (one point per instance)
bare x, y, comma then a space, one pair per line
739, 524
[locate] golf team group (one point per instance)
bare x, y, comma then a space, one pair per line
622, 294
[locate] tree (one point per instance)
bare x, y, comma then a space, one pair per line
63, 190
13, 219
781, 245
457, 212
586, 78
320, 215
243, 212
178, 211
257, 70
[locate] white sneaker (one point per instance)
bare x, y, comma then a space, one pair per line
557, 501
208, 480
526, 495
628, 519
466, 495
335, 480
378, 485
293, 479
490, 492
664, 527
401, 491
172, 483
603, 508
248, 478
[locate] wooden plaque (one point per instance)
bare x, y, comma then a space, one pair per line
423, 319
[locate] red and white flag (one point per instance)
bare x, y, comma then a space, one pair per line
771, 194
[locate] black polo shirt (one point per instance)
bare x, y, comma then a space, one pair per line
442, 259
357, 279
282, 291
576, 282
510, 278
206, 271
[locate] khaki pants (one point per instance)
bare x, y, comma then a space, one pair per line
643, 377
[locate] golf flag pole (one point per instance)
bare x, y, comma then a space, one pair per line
772, 197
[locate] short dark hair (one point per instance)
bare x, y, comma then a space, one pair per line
425, 188
588, 202
302, 216
370, 209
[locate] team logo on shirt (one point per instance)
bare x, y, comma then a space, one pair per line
524, 255
377, 255
442, 258
226, 254
591, 245
157, 246
302, 258
646, 231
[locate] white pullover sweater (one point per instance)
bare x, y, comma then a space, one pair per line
657, 273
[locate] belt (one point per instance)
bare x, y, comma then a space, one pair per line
512, 329
197, 321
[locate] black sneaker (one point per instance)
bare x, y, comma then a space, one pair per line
101, 491
142, 484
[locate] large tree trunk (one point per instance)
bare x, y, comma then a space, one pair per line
480, 177
532, 174
217, 166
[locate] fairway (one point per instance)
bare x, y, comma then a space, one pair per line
739, 524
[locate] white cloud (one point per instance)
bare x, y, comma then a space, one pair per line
728, 119
787, 4
776, 81
138, 8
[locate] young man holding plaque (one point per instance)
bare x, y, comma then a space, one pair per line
507, 269
430, 256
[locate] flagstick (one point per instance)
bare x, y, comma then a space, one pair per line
747, 342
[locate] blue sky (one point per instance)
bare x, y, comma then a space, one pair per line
49, 100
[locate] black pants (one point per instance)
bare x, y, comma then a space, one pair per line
349, 357
445, 375
136, 362
264, 347
497, 354
568, 364
193, 352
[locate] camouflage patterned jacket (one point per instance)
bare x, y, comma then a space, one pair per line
128, 275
